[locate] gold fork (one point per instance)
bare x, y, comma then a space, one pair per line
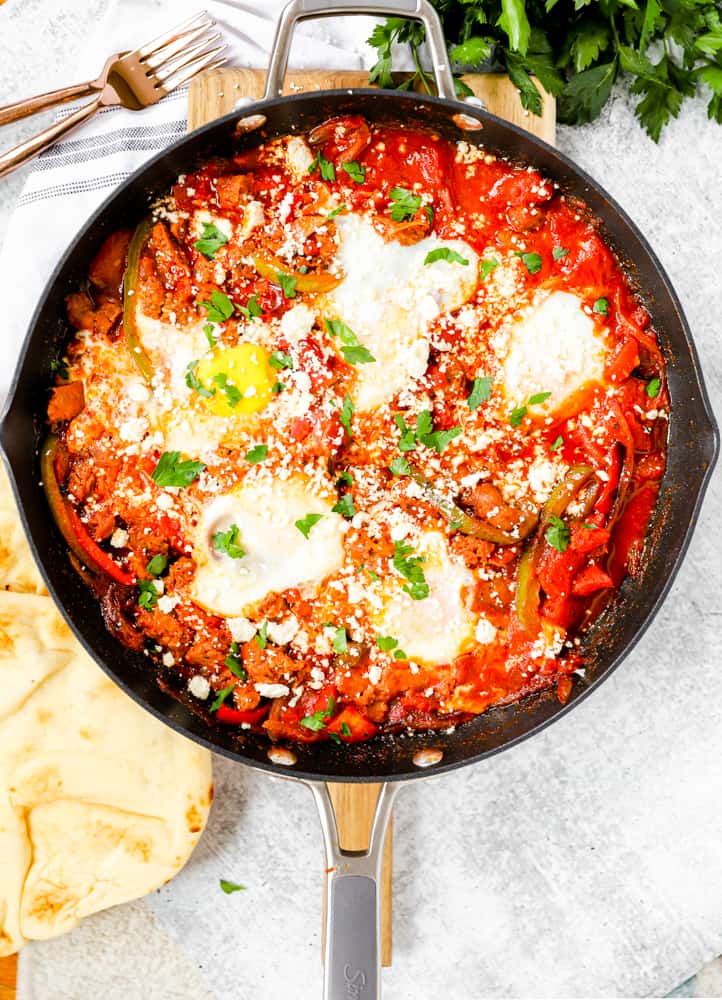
134, 80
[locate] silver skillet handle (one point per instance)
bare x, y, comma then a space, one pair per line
352, 956
300, 10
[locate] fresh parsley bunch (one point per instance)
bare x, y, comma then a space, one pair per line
576, 49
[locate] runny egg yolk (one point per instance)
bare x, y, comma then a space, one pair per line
241, 377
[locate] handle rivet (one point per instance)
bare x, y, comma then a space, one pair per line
427, 758
249, 124
467, 123
282, 756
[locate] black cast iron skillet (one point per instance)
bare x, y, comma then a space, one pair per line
352, 946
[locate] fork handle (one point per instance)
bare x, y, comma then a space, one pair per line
31, 147
32, 105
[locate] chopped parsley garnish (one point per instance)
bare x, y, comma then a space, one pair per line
193, 382
317, 720
340, 640
278, 387
149, 594
344, 477
488, 265
220, 308
532, 261
235, 664
557, 443
399, 654
353, 351
337, 211
324, 167
480, 392
372, 576
519, 412
60, 368
409, 566
221, 697
386, 643
601, 306
157, 564
444, 253
232, 392
653, 387
252, 309
404, 204
261, 636
559, 252
423, 433
557, 533
229, 887
280, 360
345, 729
257, 453
355, 171
170, 471
400, 466
429, 213
211, 240
345, 506
208, 330
347, 411
288, 284
229, 542
305, 524
539, 397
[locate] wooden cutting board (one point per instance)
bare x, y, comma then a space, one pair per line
212, 95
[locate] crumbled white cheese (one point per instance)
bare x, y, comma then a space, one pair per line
119, 538
283, 632
199, 686
241, 629
272, 690
166, 603
485, 631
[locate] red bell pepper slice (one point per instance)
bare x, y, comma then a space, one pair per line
94, 551
591, 579
351, 726
238, 717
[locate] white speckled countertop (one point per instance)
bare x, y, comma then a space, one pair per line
482, 854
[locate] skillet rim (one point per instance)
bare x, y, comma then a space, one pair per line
707, 445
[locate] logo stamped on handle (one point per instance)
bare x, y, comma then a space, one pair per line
355, 980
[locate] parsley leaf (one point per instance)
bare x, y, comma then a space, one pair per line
358, 355
480, 392
157, 564
193, 382
437, 440
407, 441
229, 542
653, 387
558, 442
355, 171
532, 261
288, 285
220, 308
444, 253
601, 306
336, 211
317, 720
257, 453
400, 466
340, 640
149, 594
221, 696
409, 566
232, 392
386, 643
517, 415
344, 477
229, 887
559, 252
170, 471
488, 265
353, 351
324, 167
261, 636
208, 330
557, 533
280, 360
235, 664
59, 367
347, 411
304, 524
252, 309
211, 240
539, 397
345, 506
404, 204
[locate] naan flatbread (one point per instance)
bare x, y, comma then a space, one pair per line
99, 802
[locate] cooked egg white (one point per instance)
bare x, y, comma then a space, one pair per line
440, 627
277, 555
389, 297
554, 347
